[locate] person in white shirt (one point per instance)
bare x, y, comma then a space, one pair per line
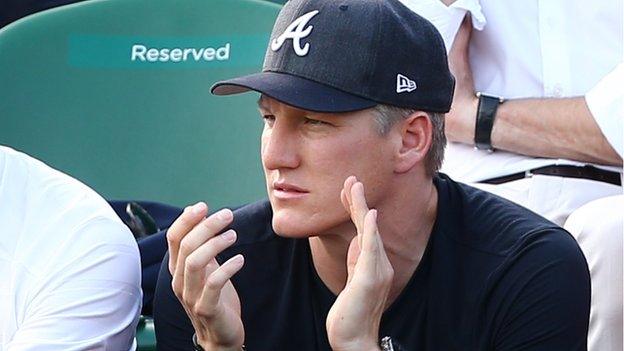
555, 143
70, 267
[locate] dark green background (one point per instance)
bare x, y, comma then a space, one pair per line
137, 130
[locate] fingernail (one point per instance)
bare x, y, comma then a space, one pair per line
229, 236
238, 259
198, 207
224, 214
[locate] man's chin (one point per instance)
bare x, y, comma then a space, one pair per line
288, 228
290, 223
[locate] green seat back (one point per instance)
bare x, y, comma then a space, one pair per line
116, 93
145, 334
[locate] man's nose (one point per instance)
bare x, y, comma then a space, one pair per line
280, 147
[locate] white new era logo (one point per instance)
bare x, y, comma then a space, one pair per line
404, 84
296, 32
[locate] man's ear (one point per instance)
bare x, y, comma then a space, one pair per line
416, 135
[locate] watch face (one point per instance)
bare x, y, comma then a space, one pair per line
196, 346
386, 344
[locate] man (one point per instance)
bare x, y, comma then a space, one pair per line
361, 239
555, 143
70, 267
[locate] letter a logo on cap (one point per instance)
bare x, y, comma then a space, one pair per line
296, 32
404, 84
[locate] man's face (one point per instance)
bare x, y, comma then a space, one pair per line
306, 158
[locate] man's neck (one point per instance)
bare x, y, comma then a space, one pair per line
405, 226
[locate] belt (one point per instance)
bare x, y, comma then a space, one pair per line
567, 171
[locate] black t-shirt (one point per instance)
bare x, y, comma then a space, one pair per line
494, 276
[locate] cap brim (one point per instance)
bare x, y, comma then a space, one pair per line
294, 91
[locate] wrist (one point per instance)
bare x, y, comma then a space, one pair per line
203, 345
460, 121
368, 347
473, 108
470, 109
357, 344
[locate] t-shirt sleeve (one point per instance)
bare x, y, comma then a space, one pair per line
543, 299
174, 330
606, 103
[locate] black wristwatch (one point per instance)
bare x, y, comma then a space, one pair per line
196, 346
387, 344
486, 113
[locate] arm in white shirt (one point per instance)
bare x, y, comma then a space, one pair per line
546, 127
555, 128
89, 297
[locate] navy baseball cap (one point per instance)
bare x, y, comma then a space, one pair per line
348, 55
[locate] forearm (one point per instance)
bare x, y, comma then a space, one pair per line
556, 128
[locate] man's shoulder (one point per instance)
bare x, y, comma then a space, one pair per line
490, 224
501, 255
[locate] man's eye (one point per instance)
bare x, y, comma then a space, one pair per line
269, 119
315, 122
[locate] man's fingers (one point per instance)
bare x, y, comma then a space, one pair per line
217, 280
369, 240
346, 190
359, 208
352, 257
202, 232
354, 201
205, 230
221, 275
372, 254
359, 201
182, 225
373, 269
345, 195
202, 262
344, 200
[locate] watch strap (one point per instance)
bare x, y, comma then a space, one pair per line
486, 113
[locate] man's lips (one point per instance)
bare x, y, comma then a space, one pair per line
283, 186
288, 191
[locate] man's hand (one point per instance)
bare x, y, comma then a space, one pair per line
202, 286
353, 321
460, 121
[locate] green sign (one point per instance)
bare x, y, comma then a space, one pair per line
98, 51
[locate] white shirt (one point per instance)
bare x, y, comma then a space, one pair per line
70, 268
533, 49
